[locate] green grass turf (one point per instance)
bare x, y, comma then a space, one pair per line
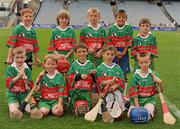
168, 65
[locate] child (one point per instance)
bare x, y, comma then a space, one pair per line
93, 35
142, 92
63, 37
111, 77
24, 35
81, 76
18, 82
120, 35
52, 86
145, 41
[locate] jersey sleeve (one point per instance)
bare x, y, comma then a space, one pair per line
133, 48
63, 93
35, 44
8, 77
129, 37
133, 90
13, 37
154, 50
52, 45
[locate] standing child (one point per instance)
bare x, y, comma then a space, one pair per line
142, 92
18, 82
111, 80
145, 41
81, 76
120, 35
24, 35
53, 89
63, 37
94, 36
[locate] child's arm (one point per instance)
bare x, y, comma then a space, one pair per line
69, 53
157, 80
136, 102
36, 58
10, 56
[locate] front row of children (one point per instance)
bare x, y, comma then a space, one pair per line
84, 84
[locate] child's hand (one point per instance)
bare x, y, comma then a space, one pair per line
113, 88
9, 60
91, 50
84, 76
61, 56
119, 54
37, 61
108, 82
98, 54
93, 71
21, 73
156, 79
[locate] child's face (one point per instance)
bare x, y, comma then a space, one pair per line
50, 65
121, 19
144, 63
145, 27
19, 59
63, 21
27, 18
108, 55
81, 53
93, 18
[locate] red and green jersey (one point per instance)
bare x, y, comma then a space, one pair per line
105, 72
25, 37
79, 68
120, 37
20, 85
143, 88
62, 40
53, 87
93, 38
144, 44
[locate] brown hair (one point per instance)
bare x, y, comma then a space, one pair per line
142, 55
63, 14
81, 45
145, 20
26, 10
19, 50
50, 56
121, 11
108, 47
93, 10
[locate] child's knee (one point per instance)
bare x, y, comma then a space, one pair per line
57, 112
44, 111
13, 107
150, 107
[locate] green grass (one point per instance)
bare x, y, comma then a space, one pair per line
168, 65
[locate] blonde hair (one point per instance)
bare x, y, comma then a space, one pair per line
108, 47
93, 10
63, 14
143, 55
26, 10
19, 50
145, 20
51, 56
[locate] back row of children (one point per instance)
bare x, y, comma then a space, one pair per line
82, 73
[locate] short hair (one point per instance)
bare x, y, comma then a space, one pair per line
51, 56
142, 55
63, 14
81, 45
121, 11
25, 10
93, 10
19, 50
108, 47
145, 20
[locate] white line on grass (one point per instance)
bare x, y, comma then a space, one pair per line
173, 108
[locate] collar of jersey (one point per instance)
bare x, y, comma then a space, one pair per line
62, 29
119, 26
52, 76
114, 64
139, 34
89, 25
82, 64
145, 76
27, 28
14, 65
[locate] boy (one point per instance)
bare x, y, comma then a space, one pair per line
63, 37
142, 92
111, 77
24, 35
94, 36
145, 41
52, 86
81, 76
120, 35
18, 82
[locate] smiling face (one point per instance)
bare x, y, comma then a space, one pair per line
63, 21
121, 18
50, 65
81, 53
27, 18
19, 59
144, 63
